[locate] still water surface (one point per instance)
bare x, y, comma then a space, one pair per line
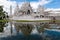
29, 31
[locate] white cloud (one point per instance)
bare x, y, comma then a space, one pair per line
43, 2
6, 5
34, 5
53, 9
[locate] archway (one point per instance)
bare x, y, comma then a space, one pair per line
28, 12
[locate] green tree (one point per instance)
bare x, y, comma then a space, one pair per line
3, 14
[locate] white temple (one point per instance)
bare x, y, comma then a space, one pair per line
27, 13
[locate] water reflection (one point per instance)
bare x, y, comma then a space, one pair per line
41, 27
29, 31
25, 28
2, 25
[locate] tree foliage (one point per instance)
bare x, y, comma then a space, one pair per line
3, 14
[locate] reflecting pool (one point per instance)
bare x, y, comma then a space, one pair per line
29, 31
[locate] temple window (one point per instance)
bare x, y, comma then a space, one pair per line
41, 16
36, 16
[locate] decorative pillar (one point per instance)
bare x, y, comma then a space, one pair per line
10, 11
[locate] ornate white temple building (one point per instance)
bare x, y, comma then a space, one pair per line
27, 13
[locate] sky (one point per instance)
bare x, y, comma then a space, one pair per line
46, 3
49, 4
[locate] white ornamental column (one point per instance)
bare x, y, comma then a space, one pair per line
10, 11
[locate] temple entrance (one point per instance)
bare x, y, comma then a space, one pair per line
41, 16
28, 12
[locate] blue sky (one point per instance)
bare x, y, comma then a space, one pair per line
24, 0
52, 4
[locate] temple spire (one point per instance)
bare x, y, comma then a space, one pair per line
16, 9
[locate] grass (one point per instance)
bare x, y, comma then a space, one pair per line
57, 21
32, 20
4, 20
